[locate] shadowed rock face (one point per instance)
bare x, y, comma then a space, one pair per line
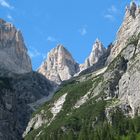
133, 8
17, 93
59, 65
13, 53
20, 87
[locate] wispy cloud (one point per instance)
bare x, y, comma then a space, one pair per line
83, 31
111, 13
113, 9
109, 17
34, 52
5, 4
10, 17
51, 39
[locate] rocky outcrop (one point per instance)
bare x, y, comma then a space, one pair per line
97, 51
100, 64
129, 27
59, 65
13, 52
39, 119
20, 87
16, 94
129, 85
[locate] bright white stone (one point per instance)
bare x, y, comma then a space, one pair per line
58, 105
97, 51
59, 65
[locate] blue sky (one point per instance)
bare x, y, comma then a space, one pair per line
74, 23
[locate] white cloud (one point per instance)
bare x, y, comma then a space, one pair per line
111, 13
10, 17
110, 17
34, 53
5, 4
83, 31
113, 9
51, 39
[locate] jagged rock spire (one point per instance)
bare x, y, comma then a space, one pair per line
133, 8
97, 51
59, 65
130, 26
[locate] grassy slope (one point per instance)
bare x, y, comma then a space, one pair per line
89, 121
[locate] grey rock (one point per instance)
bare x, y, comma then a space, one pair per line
133, 8
16, 95
129, 27
19, 85
100, 64
98, 50
126, 80
129, 89
13, 52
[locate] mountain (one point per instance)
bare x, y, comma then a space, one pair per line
98, 105
97, 51
59, 65
101, 63
13, 53
21, 89
18, 94
130, 26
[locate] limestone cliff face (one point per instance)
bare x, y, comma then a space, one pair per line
129, 84
59, 65
129, 27
97, 51
13, 53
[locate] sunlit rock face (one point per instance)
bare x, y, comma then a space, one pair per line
13, 52
59, 65
97, 51
130, 26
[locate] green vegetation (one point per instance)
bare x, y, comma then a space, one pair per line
112, 65
133, 40
89, 122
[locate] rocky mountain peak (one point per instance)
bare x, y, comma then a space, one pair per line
132, 9
13, 52
97, 51
60, 46
61, 52
130, 26
59, 65
2, 21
